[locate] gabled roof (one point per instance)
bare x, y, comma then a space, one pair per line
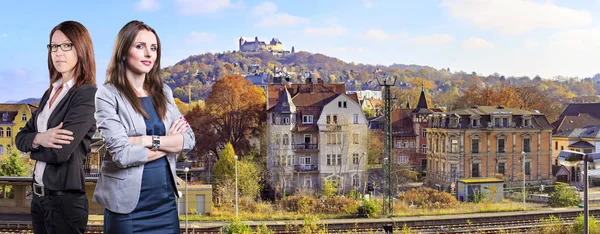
582, 145
575, 109
586, 132
570, 122
402, 123
12, 110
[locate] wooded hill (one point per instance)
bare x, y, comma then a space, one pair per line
443, 85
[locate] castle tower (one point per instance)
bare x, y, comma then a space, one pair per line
241, 43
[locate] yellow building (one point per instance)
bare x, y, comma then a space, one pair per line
13, 118
487, 142
578, 139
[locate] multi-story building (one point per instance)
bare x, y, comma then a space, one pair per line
316, 132
13, 118
409, 136
488, 141
586, 140
256, 45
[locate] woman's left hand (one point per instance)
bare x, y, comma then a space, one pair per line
179, 126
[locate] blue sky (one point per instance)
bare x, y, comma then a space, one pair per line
510, 37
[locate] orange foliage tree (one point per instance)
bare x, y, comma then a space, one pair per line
232, 113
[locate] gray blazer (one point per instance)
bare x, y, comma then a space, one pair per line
119, 184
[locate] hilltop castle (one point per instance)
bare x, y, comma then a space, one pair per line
256, 45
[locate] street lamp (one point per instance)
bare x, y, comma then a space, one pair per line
523, 171
236, 185
357, 177
186, 170
571, 158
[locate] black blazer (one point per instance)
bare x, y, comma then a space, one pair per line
64, 167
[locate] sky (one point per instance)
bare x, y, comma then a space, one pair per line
511, 37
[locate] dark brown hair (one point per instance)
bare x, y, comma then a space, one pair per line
115, 74
85, 70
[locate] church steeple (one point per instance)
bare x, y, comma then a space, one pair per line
420, 113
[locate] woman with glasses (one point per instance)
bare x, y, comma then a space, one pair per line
142, 130
59, 134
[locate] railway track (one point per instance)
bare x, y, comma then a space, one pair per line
511, 222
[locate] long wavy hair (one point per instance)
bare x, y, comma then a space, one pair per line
115, 74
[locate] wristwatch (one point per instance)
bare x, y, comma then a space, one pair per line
155, 142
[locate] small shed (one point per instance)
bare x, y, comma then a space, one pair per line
488, 188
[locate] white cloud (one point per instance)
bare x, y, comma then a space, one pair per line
516, 16
4, 35
368, 3
281, 19
265, 8
199, 37
379, 35
329, 31
435, 39
347, 50
577, 40
532, 43
147, 5
473, 43
191, 7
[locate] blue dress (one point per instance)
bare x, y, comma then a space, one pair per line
156, 211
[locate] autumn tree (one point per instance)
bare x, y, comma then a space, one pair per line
232, 113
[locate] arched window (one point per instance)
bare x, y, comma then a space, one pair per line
1, 132
1, 149
8, 132
286, 139
5, 116
277, 139
8, 149
24, 117
355, 181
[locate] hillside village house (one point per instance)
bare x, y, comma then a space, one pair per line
13, 118
315, 132
487, 141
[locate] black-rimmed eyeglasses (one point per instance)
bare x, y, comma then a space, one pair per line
63, 47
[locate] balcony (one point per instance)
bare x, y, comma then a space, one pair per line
305, 147
306, 168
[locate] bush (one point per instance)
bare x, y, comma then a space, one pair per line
592, 224
563, 196
339, 205
553, 225
428, 198
238, 227
251, 206
369, 208
299, 203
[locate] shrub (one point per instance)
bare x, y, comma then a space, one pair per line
339, 205
553, 225
299, 203
563, 196
251, 206
369, 208
428, 198
238, 227
592, 224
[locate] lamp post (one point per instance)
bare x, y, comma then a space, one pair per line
186, 170
236, 186
357, 177
523, 170
571, 158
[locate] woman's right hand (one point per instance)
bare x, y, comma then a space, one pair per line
54, 137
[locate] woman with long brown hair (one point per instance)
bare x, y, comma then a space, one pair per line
59, 134
142, 131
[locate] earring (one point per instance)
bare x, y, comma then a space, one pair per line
124, 59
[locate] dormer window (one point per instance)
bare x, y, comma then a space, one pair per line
526, 120
454, 120
24, 117
4, 116
475, 121
307, 119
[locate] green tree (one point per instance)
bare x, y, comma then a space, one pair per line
563, 196
12, 166
224, 168
249, 178
329, 188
